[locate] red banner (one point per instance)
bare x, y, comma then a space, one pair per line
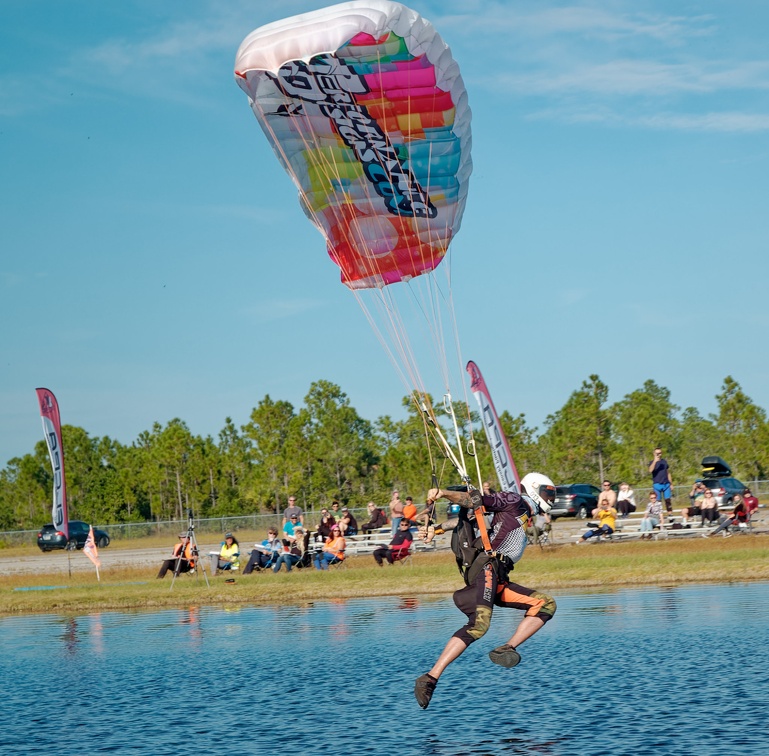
49, 411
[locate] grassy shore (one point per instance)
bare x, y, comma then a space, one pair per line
560, 569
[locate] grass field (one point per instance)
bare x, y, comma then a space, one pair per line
560, 568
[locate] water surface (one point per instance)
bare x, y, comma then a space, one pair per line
654, 671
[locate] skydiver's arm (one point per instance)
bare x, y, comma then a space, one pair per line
455, 497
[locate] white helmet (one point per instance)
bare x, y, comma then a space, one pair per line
540, 489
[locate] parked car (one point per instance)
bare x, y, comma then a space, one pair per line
717, 476
575, 500
49, 538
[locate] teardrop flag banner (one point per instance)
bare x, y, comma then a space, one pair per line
49, 411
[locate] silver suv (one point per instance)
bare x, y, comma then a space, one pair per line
724, 489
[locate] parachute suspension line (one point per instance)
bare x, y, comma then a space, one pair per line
429, 414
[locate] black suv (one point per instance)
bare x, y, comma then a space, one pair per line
49, 538
575, 500
716, 475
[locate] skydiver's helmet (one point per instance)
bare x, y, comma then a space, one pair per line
540, 489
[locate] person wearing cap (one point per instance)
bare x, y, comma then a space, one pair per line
348, 524
292, 550
293, 509
399, 547
409, 509
289, 526
228, 557
377, 518
182, 559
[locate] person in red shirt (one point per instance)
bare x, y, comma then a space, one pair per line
751, 502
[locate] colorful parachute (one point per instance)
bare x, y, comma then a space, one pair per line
366, 109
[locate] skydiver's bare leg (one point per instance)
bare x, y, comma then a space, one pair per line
526, 628
453, 650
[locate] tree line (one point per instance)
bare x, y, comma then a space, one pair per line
324, 450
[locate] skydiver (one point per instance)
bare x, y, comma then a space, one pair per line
486, 571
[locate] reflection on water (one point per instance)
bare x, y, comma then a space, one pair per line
654, 671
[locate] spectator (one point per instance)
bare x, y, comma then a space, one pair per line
377, 518
265, 553
182, 559
333, 551
709, 507
751, 502
607, 494
327, 521
625, 500
396, 511
229, 555
662, 480
288, 527
696, 495
487, 489
348, 524
652, 517
739, 515
607, 517
335, 513
293, 555
399, 546
293, 509
409, 509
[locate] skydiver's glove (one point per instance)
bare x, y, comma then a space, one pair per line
475, 498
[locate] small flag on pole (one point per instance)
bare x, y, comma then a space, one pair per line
90, 550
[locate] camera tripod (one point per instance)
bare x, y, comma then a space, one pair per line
192, 541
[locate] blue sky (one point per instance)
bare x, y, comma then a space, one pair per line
155, 263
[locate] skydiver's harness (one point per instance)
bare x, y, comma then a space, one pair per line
473, 552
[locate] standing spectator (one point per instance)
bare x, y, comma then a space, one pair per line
293, 509
625, 500
607, 494
377, 518
662, 480
487, 489
396, 511
333, 551
751, 502
696, 495
607, 519
652, 517
265, 553
228, 557
399, 546
348, 524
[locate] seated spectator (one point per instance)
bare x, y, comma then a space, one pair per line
333, 550
229, 555
377, 518
288, 527
625, 500
335, 511
607, 517
265, 553
539, 526
292, 550
709, 507
327, 521
409, 509
348, 524
739, 515
399, 547
696, 495
182, 559
751, 502
652, 517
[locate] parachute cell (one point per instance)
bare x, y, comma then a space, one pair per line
365, 108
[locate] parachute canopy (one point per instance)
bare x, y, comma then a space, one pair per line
366, 110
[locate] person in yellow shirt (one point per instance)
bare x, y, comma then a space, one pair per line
607, 519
